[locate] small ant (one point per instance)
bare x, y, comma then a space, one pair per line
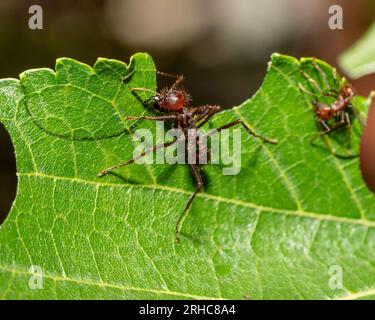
175, 103
337, 114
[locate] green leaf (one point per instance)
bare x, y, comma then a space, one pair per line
359, 60
281, 228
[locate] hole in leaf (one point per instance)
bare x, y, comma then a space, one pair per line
8, 178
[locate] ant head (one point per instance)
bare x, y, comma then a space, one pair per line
348, 91
172, 100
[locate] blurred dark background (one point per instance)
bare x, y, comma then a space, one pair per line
222, 46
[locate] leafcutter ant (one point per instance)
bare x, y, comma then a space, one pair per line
175, 104
336, 114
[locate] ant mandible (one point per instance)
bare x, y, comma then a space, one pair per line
337, 114
175, 103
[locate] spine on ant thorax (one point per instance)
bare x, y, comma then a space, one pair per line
340, 104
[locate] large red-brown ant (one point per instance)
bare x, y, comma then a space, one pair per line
337, 114
175, 103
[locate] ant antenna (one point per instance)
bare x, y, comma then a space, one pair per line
179, 78
145, 90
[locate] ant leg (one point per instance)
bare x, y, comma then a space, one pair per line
358, 116
334, 74
250, 131
152, 118
336, 77
178, 81
201, 116
152, 149
325, 125
179, 77
198, 188
327, 131
322, 73
206, 115
347, 120
202, 109
312, 81
343, 121
331, 93
128, 75
328, 90
302, 88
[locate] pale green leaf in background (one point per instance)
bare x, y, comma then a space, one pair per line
359, 60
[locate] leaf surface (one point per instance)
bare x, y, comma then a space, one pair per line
280, 229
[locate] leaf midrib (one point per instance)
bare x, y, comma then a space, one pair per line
13, 270
298, 213
89, 282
